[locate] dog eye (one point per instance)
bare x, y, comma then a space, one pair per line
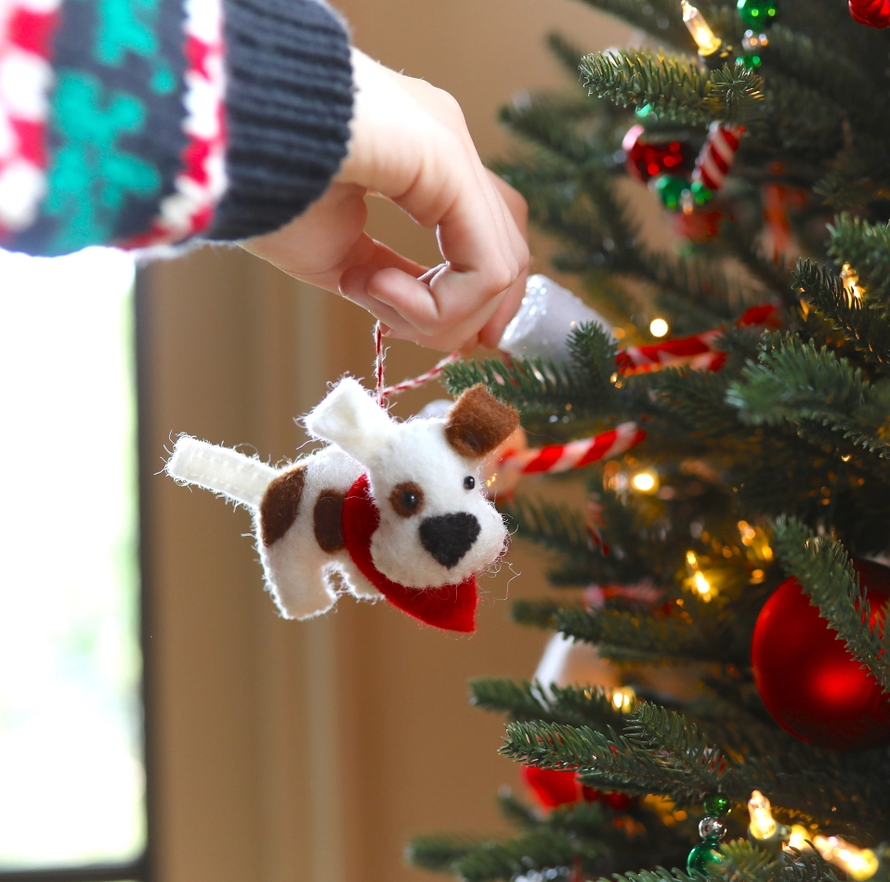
406, 499
469, 482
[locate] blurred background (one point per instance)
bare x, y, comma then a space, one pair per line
276, 750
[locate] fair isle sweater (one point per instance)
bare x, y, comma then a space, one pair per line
147, 122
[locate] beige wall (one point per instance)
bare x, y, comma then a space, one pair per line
313, 751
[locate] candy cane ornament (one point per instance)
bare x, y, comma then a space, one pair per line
717, 156
503, 471
697, 351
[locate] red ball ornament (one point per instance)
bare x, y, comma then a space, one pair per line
806, 677
555, 787
645, 161
874, 13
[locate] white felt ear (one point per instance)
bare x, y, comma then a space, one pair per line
350, 418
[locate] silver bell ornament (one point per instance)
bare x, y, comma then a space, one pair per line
547, 315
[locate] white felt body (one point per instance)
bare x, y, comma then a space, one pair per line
300, 575
415, 451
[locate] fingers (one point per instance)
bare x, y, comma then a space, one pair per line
410, 144
329, 240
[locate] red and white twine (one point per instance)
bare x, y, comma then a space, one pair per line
384, 392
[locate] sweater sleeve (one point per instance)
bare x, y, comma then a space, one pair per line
151, 122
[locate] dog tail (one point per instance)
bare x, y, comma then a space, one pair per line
241, 478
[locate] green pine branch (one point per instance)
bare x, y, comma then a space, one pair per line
659, 874
677, 740
818, 66
859, 177
794, 382
539, 849
744, 862
628, 637
573, 705
605, 760
675, 86
861, 322
529, 384
823, 568
798, 120
439, 853
866, 247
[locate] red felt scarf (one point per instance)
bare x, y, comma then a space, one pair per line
451, 607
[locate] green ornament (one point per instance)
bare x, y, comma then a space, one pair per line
715, 804
750, 61
703, 856
756, 13
644, 111
700, 196
670, 190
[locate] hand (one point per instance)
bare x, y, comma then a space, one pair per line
410, 144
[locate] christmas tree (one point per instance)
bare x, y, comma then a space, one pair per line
735, 473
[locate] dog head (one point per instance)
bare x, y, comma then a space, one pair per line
436, 527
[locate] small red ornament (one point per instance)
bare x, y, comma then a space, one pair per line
806, 677
874, 13
697, 226
646, 161
555, 787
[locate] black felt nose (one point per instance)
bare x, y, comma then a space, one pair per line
449, 537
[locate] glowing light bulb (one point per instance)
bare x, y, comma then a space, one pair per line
763, 825
798, 837
697, 580
623, 698
708, 43
702, 586
850, 278
645, 482
859, 863
658, 327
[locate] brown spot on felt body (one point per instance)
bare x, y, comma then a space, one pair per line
328, 520
478, 422
281, 504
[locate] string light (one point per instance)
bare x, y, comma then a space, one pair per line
798, 837
697, 580
859, 863
763, 826
658, 327
706, 40
623, 698
645, 482
850, 278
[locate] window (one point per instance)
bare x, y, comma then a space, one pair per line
72, 779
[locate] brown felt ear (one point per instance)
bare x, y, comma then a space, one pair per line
478, 422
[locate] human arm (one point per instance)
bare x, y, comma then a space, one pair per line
141, 140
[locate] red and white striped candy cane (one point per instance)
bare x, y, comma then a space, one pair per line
555, 458
698, 351
717, 155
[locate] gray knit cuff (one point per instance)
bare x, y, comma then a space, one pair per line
289, 101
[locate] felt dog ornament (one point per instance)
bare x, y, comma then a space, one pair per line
386, 509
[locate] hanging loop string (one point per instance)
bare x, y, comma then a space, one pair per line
384, 392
